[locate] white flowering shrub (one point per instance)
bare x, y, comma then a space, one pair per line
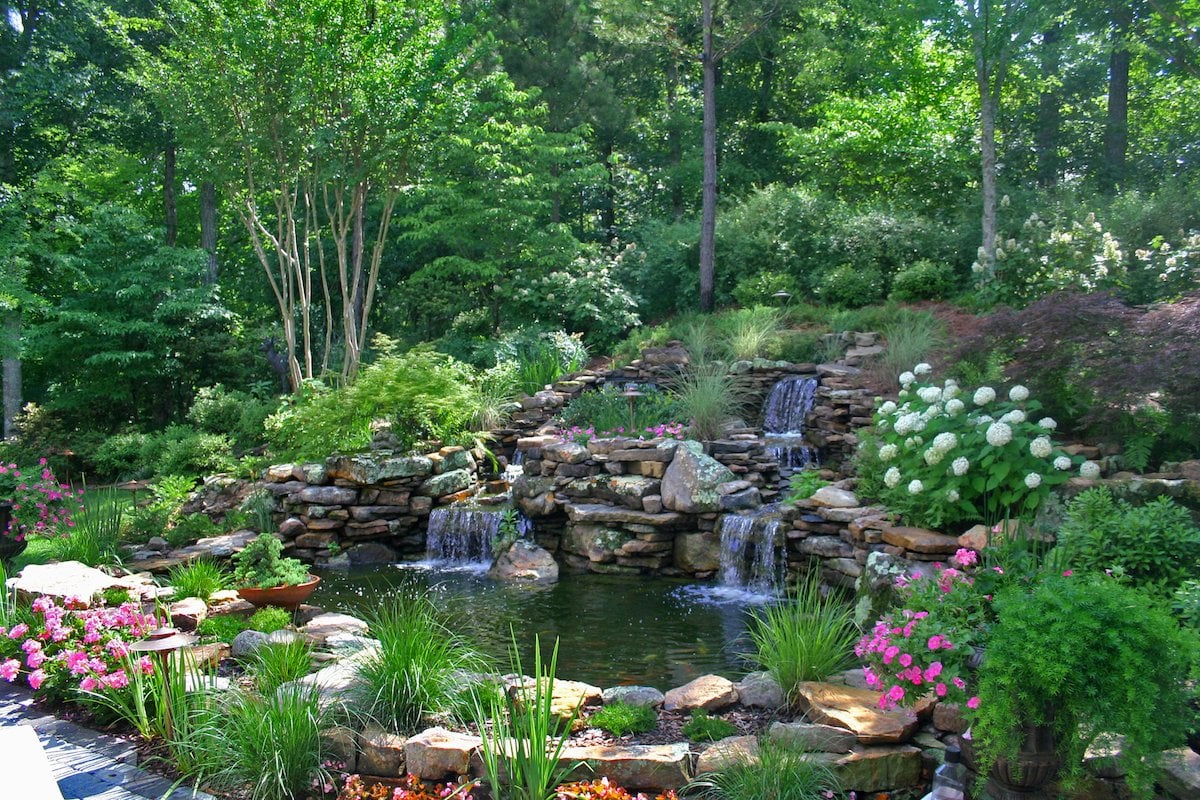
945, 454
1172, 270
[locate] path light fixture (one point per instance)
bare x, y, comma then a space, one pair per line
161, 642
783, 298
632, 394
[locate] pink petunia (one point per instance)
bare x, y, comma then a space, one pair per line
36, 678
973, 702
9, 669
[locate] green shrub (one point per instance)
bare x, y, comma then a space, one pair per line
201, 577
851, 286
638, 340
121, 457
804, 484
1154, 546
606, 409
622, 718
261, 565
807, 638
237, 415
417, 669
761, 289
95, 538
223, 627
703, 728
180, 450
910, 338
542, 357
925, 280
274, 664
778, 772
798, 346
191, 527
269, 620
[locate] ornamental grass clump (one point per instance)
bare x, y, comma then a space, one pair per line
942, 454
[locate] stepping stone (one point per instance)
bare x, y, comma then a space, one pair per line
25, 766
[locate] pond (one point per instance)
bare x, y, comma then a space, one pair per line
612, 630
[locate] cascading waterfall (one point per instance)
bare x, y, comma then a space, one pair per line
462, 536
786, 408
752, 552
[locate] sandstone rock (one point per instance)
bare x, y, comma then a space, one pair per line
525, 561
660, 453
1181, 774
568, 696
652, 767
710, 692
381, 753
447, 483
726, 753
741, 501
813, 737
633, 695
341, 744
207, 655
322, 626
690, 482
246, 642
188, 613
68, 579
826, 547
948, 717
919, 540
698, 552
328, 495
856, 710
652, 503
597, 544
367, 469
877, 769
565, 453
832, 497
437, 754
599, 514
760, 690
278, 473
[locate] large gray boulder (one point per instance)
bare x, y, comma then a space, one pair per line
690, 483
525, 561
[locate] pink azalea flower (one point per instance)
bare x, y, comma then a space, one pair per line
89, 684
973, 702
36, 678
9, 669
940, 690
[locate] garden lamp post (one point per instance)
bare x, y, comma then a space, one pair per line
162, 642
783, 298
632, 394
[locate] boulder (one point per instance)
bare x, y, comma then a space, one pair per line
690, 483
367, 469
633, 696
568, 697
246, 642
920, 540
709, 692
436, 754
741, 501
878, 769
328, 495
341, 744
653, 767
726, 753
760, 690
566, 453
813, 737
525, 561
600, 514
447, 483
188, 613
857, 710
832, 497
381, 753
370, 553
69, 579
322, 626
698, 552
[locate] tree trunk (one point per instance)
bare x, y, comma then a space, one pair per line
1116, 124
1049, 114
708, 213
987, 161
208, 228
608, 212
674, 139
170, 212
12, 370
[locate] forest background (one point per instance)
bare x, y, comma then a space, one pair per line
189, 187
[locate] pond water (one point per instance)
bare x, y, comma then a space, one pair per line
612, 630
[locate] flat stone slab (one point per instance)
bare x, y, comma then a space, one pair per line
1180, 776
709, 692
877, 769
723, 754
568, 696
437, 753
598, 513
920, 540
25, 764
813, 737
634, 696
653, 767
856, 710
68, 579
832, 497
322, 626
760, 690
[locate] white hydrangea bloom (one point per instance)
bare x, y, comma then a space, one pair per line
891, 478
984, 395
887, 408
1089, 469
1062, 463
983, 419
999, 434
1014, 417
904, 425
960, 466
883, 425
951, 390
1033, 480
922, 369
1041, 447
930, 394
954, 407
1018, 394
932, 411
952, 496
907, 379
1047, 423
945, 441
915, 487
934, 456
910, 443
902, 394
888, 452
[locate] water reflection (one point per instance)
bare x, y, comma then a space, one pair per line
613, 630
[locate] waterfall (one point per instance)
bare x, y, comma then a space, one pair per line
460, 536
752, 552
786, 408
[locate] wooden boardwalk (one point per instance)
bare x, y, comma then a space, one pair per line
75, 762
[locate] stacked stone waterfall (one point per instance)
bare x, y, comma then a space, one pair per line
752, 558
787, 408
459, 535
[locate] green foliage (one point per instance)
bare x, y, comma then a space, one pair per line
606, 409
542, 357
274, 664
269, 620
417, 671
189, 528
238, 416
223, 627
120, 457
1082, 655
201, 577
259, 505
761, 289
799, 346
778, 772
638, 340
851, 286
95, 538
709, 396
703, 728
806, 638
910, 338
622, 718
523, 737
925, 280
1155, 546
260, 565
750, 333
804, 484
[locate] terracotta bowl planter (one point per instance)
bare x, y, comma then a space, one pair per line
289, 597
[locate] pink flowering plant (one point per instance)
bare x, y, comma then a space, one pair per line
661, 430
70, 648
927, 646
41, 506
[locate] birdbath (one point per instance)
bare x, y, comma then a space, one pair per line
162, 642
632, 395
